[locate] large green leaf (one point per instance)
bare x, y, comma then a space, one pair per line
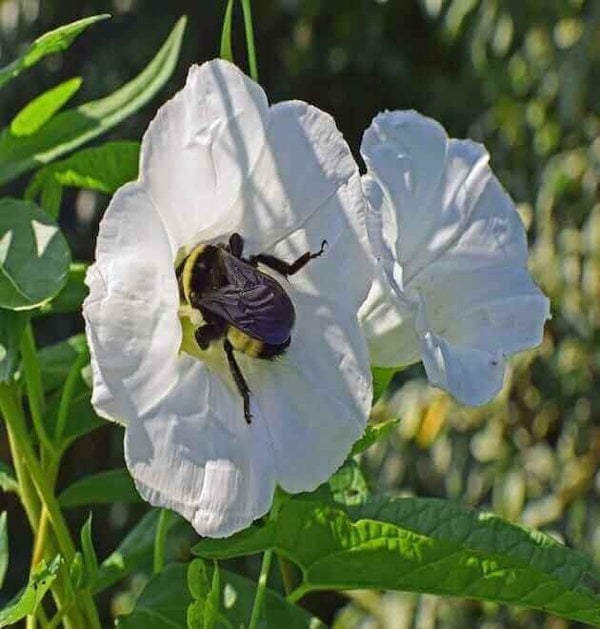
422, 545
74, 291
12, 325
164, 601
53, 41
102, 488
34, 255
134, 553
104, 168
37, 113
29, 599
70, 129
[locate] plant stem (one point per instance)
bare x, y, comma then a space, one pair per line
159, 540
33, 382
288, 574
250, 39
22, 449
298, 593
260, 590
67, 395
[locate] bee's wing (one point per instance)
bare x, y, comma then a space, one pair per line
253, 302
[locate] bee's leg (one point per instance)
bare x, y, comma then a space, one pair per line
238, 378
236, 245
207, 333
283, 267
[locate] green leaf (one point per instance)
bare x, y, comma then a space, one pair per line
53, 41
90, 561
56, 360
34, 256
70, 129
102, 488
348, 485
37, 113
3, 547
38, 585
8, 482
12, 325
422, 545
373, 433
382, 376
104, 168
135, 552
203, 611
164, 601
226, 52
70, 298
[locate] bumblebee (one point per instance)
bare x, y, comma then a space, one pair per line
246, 308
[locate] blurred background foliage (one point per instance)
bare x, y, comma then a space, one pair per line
522, 76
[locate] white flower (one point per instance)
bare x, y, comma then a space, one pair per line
452, 286
217, 160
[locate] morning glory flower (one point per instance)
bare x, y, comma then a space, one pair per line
217, 160
452, 286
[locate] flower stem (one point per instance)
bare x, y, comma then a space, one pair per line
246, 9
23, 451
67, 395
33, 382
260, 590
159, 541
288, 574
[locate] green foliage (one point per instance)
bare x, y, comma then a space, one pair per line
54, 41
382, 376
104, 168
421, 545
374, 433
348, 485
37, 113
102, 488
88, 554
70, 129
70, 298
8, 482
3, 547
12, 325
56, 360
41, 579
203, 611
34, 256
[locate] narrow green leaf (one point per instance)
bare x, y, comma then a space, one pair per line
422, 545
3, 547
90, 561
56, 360
165, 599
8, 482
374, 433
102, 488
53, 41
226, 52
37, 113
12, 325
34, 255
29, 599
248, 27
134, 553
70, 129
76, 571
382, 376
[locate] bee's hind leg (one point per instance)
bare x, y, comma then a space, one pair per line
287, 268
238, 378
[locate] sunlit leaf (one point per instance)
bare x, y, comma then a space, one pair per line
27, 602
102, 488
37, 113
348, 485
226, 51
8, 482
34, 255
54, 41
382, 376
374, 433
422, 545
70, 129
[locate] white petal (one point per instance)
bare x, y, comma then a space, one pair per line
472, 375
201, 146
131, 310
194, 453
316, 397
